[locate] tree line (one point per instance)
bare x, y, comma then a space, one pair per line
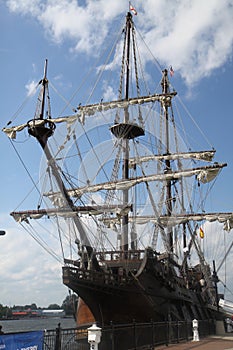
69, 305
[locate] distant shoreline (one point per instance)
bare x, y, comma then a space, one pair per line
33, 317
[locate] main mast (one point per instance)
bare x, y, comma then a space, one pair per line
126, 131
125, 172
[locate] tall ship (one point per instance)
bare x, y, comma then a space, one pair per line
126, 192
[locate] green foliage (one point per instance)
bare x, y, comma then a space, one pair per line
69, 305
5, 311
32, 306
53, 307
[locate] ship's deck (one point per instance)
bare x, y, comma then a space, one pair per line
210, 343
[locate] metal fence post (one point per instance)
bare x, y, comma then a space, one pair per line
186, 330
134, 334
58, 338
113, 335
178, 332
152, 333
167, 333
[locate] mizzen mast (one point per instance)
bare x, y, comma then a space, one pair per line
165, 91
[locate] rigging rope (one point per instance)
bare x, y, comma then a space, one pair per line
103, 69
23, 104
110, 194
41, 242
159, 67
163, 235
224, 285
140, 119
194, 122
120, 91
27, 171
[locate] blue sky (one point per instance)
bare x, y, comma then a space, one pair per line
196, 38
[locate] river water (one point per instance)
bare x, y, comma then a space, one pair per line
36, 324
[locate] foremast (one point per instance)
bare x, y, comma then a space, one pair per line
42, 128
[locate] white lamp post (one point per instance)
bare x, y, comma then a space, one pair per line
94, 335
195, 330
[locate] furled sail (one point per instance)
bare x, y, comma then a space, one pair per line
68, 212
11, 132
119, 210
92, 109
173, 220
209, 173
100, 107
202, 155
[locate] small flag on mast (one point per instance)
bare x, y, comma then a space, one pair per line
202, 234
132, 9
171, 71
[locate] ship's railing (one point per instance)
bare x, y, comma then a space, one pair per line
101, 278
114, 255
120, 261
133, 336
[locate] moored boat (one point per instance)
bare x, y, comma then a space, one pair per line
127, 202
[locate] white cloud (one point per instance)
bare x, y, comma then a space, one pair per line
24, 6
31, 88
196, 37
191, 35
25, 266
109, 94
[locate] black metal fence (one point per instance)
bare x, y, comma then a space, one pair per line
134, 336
59, 338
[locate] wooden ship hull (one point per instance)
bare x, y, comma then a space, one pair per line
139, 290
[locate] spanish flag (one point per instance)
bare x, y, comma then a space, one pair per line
132, 9
201, 233
171, 71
